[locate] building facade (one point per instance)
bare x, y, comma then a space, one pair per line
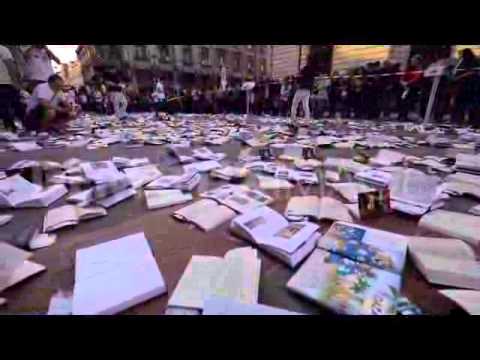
287, 60
188, 65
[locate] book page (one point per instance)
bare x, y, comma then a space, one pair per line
350, 191
100, 171
142, 175
43, 198
162, 198
413, 186
116, 198
202, 166
206, 214
90, 213
303, 206
197, 282
261, 223
59, 217
20, 273
333, 209
216, 305
444, 247
454, 224
10, 258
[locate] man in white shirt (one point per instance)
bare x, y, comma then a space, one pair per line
158, 96
10, 104
38, 66
47, 108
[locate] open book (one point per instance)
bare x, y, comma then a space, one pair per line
205, 153
157, 199
387, 158
121, 162
300, 207
69, 215
468, 163
185, 182
445, 261
207, 214
413, 192
350, 191
115, 275
230, 173
16, 192
235, 276
266, 228
184, 154
346, 286
202, 166
239, 198
142, 175
100, 171
457, 225
381, 249
15, 266
374, 177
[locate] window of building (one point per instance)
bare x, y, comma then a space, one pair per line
221, 57
236, 62
187, 55
205, 56
141, 52
250, 63
263, 66
164, 53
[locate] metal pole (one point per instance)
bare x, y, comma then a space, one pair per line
431, 100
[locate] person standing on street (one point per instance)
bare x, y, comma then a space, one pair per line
38, 66
10, 100
304, 88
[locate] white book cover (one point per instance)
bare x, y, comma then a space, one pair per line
157, 199
115, 275
69, 215
387, 158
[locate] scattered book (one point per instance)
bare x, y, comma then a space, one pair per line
271, 183
142, 175
269, 230
69, 215
230, 173
381, 249
346, 286
202, 166
445, 261
235, 276
374, 177
206, 214
114, 276
205, 153
16, 192
241, 199
350, 191
301, 207
414, 193
184, 154
100, 171
5, 219
454, 224
121, 162
185, 182
157, 199
387, 158
25, 146
216, 305
15, 266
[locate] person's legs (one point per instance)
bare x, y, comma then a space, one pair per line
295, 103
9, 106
306, 103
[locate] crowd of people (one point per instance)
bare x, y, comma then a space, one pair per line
377, 90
